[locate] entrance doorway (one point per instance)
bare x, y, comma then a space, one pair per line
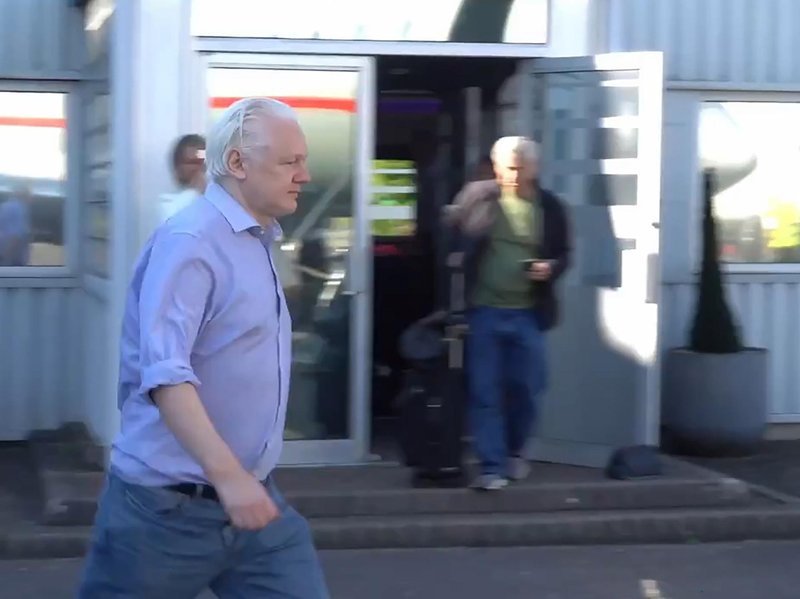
392, 139
436, 118
599, 123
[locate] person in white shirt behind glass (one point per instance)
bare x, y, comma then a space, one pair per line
189, 170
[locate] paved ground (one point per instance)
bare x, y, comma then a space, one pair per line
742, 571
776, 465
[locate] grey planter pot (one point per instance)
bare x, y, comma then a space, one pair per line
714, 404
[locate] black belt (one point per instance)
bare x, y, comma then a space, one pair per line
199, 490
195, 490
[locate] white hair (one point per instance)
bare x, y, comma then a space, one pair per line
235, 131
524, 147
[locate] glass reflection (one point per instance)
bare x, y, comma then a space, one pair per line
753, 150
312, 256
32, 124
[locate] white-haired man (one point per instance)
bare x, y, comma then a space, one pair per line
204, 378
514, 243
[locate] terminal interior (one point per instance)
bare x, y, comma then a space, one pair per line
435, 120
422, 118
430, 135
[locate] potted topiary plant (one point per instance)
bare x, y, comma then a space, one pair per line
714, 399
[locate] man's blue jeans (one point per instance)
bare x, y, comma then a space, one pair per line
152, 543
506, 372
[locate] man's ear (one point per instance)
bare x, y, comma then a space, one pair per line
235, 163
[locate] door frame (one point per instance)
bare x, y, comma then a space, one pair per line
649, 66
359, 48
356, 447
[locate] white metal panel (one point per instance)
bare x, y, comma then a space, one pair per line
40, 358
40, 38
575, 28
680, 225
767, 313
98, 404
725, 41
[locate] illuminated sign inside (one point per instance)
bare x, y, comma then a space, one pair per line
475, 21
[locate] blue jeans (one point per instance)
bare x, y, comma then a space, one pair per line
506, 372
152, 543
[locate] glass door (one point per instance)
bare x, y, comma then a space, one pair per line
323, 258
599, 121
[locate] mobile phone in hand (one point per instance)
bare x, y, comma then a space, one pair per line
528, 264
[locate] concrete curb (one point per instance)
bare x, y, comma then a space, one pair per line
764, 491
558, 529
546, 497
695, 505
483, 530
45, 543
69, 498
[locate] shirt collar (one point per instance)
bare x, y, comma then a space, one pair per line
238, 218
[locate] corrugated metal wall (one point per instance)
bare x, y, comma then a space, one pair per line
748, 45
741, 41
40, 363
767, 313
40, 38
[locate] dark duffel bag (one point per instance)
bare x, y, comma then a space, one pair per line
637, 461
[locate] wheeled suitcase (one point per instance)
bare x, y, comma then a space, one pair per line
433, 396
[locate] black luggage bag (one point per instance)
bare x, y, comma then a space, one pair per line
433, 397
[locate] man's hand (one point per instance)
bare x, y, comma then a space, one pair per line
246, 501
244, 498
540, 271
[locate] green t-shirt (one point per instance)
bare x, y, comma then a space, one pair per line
502, 282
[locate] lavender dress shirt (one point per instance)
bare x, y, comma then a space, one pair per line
204, 307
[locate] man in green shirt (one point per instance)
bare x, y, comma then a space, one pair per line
511, 244
515, 244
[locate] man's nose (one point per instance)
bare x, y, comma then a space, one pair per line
304, 176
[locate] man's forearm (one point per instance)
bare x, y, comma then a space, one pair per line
186, 417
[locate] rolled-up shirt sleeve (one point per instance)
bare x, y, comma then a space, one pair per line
174, 298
